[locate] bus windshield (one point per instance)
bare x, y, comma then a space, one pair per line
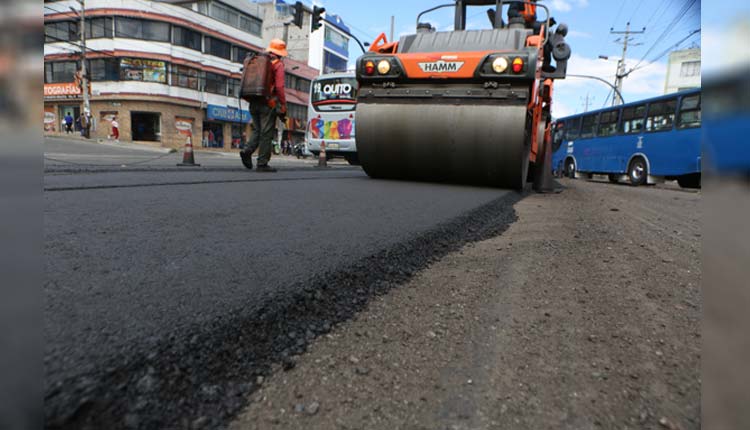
334, 94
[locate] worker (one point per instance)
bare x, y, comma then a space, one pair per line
265, 111
527, 11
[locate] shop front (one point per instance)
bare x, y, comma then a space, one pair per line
224, 127
61, 100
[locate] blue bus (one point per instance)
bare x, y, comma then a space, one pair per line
727, 124
644, 142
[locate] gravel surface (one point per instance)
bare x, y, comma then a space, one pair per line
584, 314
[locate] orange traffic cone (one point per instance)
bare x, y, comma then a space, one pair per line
322, 158
188, 159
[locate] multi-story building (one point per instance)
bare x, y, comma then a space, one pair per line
683, 70
326, 49
164, 70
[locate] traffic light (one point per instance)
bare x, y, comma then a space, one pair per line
317, 17
299, 10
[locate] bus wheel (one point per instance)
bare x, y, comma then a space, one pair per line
570, 169
690, 181
614, 178
638, 172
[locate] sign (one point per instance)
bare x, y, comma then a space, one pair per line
138, 69
50, 119
107, 116
184, 125
442, 66
229, 114
67, 90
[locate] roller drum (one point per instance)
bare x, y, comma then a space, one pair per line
475, 144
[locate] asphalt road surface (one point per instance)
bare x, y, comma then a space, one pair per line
152, 272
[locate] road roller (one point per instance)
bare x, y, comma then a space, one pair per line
462, 106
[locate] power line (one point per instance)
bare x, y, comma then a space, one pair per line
678, 17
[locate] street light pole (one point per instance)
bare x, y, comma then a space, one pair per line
84, 73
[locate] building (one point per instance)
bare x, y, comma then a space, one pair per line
326, 49
683, 70
165, 71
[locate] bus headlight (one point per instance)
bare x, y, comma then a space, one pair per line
384, 67
500, 65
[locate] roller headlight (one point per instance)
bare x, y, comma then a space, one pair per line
500, 65
384, 67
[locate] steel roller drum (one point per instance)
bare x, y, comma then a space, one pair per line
474, 144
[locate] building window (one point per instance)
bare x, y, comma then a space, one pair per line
333, 63
235, 18
138, 69
216, 84
185, 77
298, 112
61, 31
251, 25
104, 69
218, 48
336, 41
60, 72
296, 83
188, 38
239, 54
97, 28
234, 88
133, 28
689, 69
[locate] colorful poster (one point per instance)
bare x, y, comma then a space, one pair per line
332, 130
138, 69
50, 119
184, 125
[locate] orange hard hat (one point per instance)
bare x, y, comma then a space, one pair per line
278, 47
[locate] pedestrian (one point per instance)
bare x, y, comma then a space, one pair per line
68, 123
265, 111
87, 127
115, 129
211, 139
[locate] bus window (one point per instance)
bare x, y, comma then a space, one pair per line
690, 112
572, 127
608, 123
633, 119
588, 126
661, 115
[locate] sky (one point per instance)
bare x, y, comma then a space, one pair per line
589, 22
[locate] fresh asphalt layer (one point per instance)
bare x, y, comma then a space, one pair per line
164, 289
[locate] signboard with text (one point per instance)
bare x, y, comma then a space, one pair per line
229, 114
62, 91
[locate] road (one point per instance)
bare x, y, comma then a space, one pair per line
218, 298
153, 272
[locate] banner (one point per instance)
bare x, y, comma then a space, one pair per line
107, 116
138, 69
184, 125
50, 119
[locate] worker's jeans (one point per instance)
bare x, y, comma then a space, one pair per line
264, 128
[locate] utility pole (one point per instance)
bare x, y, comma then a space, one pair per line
393, 27
84, 73
617, 100
587, 102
